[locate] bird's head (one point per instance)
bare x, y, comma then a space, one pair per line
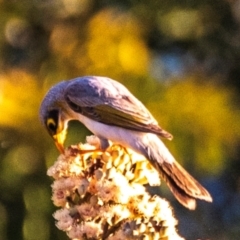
54, 114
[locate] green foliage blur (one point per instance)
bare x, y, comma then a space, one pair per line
180, 58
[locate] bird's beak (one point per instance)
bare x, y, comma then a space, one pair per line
59, 139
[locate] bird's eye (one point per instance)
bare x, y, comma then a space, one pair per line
51, 124
52, 121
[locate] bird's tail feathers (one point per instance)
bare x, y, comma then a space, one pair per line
185, 188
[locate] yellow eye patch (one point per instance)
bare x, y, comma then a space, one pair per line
51, 124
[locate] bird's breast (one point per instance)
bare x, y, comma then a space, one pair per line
148, 144
116, 134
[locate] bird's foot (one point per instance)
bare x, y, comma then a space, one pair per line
100, 143
93, 144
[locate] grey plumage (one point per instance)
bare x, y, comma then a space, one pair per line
109, 102
111, 112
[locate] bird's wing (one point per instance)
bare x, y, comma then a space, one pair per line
107, 101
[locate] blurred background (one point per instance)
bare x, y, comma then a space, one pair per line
180, 58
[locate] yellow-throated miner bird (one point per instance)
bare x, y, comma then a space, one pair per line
111, 112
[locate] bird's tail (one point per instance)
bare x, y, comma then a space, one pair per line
185, 188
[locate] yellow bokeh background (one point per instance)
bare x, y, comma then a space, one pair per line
44, 42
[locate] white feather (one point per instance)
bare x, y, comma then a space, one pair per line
145, 143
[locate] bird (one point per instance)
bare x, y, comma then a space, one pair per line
112, 113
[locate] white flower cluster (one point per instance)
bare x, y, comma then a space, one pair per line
101, 195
